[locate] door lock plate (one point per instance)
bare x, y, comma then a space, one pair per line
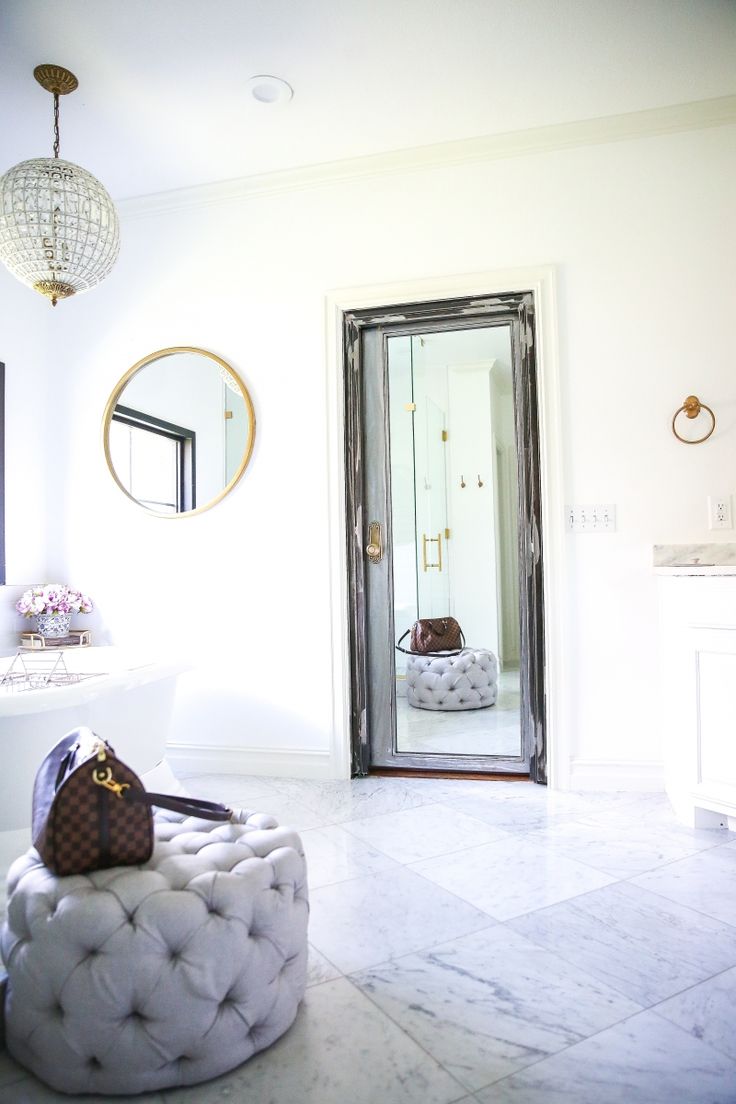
374, 548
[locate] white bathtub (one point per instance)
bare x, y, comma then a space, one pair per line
128, 703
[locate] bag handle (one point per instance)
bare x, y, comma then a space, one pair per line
190, 806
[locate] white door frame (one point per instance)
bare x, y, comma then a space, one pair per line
541, 281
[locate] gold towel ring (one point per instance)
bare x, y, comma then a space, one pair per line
691, 407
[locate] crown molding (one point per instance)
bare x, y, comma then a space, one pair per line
696, 115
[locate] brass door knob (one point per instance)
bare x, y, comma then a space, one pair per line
374, 548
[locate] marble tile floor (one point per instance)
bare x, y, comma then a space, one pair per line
491, 943
492, 731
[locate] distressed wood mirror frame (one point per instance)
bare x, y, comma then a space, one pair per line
518, 309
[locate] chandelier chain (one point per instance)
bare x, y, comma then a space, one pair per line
56, 124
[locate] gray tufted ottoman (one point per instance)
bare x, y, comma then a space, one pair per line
465, 681
134, 979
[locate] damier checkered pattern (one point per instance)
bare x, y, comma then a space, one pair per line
91, 828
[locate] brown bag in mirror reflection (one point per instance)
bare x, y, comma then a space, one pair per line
433, 636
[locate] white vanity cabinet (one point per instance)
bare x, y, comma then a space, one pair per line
698, 688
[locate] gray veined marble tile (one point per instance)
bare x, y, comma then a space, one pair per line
340, 1049
29, 1090
639, 943
453, 791
244, 789
421, 833
289, 813
707, 1012
511, 813
257, 795
643, 1060
621, 849
491, 1003
706, 882
655, 812
369, 920
512, 877
334, 855
319, 968
341, 800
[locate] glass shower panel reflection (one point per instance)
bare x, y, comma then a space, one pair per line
430, 494
454, 523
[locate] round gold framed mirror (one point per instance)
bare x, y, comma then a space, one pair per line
178, 431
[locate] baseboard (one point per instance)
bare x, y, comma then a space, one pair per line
279, 762
646, 776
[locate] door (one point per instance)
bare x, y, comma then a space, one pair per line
443, 497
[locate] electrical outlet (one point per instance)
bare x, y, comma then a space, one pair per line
600, 518
719, 512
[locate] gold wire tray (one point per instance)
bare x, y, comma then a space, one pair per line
34, 642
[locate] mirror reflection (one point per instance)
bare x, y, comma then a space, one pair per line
454, 499
179, 431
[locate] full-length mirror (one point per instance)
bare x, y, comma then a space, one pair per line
179, 431
455, 529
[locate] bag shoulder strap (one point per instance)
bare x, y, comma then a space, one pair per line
190, 806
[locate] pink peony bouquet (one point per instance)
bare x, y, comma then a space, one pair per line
52, 598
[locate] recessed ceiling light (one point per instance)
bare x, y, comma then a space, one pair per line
269, 90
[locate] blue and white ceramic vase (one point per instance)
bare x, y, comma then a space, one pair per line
53, 625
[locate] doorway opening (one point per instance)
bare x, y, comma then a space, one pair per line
444, 514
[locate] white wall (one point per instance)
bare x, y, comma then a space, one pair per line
638, 231
473, 507
507, 497
404, 543
38, 425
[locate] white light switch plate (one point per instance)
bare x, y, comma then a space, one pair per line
599, 518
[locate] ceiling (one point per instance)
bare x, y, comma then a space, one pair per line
163, 101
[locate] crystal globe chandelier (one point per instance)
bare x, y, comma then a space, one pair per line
59, 231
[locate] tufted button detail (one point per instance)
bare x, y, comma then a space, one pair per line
465, 681
173, 894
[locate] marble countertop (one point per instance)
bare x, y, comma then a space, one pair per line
696, 570
714, 558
